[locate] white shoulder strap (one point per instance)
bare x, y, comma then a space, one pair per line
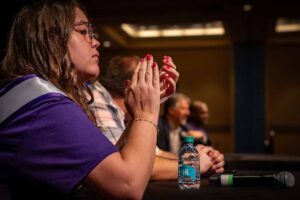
24, 93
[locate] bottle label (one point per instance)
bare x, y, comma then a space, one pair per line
187, 171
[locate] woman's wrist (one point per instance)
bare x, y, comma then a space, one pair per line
147, 116
141, 119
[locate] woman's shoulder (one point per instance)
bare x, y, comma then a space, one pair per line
29, 95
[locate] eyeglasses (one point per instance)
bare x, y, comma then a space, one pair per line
86, 29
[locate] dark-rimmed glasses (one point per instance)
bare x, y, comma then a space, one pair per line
87, 31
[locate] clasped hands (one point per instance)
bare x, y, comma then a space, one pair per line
149, 87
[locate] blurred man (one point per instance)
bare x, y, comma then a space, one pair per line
199, 114
172, 123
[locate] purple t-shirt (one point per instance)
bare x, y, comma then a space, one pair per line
50, 142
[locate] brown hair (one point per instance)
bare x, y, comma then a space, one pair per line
38, 45
119, 69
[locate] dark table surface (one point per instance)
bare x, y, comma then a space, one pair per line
170, 190
262, 162
247, 164
243, 164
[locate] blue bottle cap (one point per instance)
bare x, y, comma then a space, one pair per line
188, 139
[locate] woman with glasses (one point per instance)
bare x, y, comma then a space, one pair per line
50, 146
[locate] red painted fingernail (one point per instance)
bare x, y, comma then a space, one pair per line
148, 57
154, 65
167, 67
170, 76
126, 83
167, 58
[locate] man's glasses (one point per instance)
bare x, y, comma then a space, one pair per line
86, 29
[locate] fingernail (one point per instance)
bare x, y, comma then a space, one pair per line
148, 57
167, 67
126, 83
167, 58
154, 65
169, 75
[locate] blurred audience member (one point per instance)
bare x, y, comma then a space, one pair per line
172, 125
199, 114
109, 107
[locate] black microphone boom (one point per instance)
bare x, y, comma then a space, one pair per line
283, 179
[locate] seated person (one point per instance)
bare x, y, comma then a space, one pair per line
172, 124
50, 145
119, 70
199, 114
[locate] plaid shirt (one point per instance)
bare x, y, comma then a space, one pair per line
109, 116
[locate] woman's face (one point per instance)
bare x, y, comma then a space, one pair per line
83, 47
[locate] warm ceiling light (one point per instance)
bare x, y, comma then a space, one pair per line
107, 44
288, 28
247, 7
171, 32
194, 31
284, 25
129, 30
142, 31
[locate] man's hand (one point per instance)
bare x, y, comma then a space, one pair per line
216, 158
205, 160
218, 161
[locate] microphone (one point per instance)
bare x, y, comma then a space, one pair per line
282, 179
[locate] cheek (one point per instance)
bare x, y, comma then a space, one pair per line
182, 114
76, 52
77, 57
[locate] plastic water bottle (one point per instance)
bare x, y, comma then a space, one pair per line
188, 166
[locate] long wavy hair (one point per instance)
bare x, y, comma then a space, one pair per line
38, 44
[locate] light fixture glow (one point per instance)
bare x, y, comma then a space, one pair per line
147, 33
129, 30
171, 32
287, 28
284, 25
215, 31
107, 44
247, 7
194, 31
208, 29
